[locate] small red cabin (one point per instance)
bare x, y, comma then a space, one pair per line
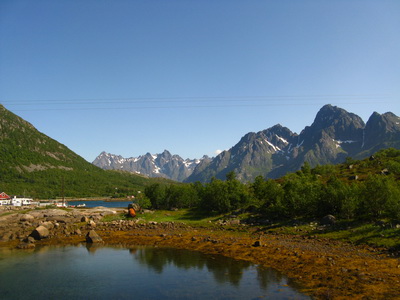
4, 196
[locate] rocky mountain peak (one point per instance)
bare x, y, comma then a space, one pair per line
382, 128
335, 123
334, 135
153, 165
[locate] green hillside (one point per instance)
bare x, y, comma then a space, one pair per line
32, 164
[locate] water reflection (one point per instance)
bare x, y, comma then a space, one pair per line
145, 272
224, 269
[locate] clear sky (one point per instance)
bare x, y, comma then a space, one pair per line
190, 76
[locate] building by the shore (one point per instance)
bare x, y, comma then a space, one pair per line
15, 201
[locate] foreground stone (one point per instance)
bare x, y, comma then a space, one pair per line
26, 218
93, 237
328, 220
40, 232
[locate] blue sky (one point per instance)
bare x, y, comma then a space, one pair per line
193, 77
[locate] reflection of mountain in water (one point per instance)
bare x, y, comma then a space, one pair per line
224, 269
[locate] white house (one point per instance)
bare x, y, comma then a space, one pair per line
21, 201
5, 202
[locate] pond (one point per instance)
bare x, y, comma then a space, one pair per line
84, 272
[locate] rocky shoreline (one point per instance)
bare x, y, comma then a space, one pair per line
325, 269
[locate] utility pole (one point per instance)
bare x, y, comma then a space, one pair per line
62, 191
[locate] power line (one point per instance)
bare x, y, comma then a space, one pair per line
181, 99
193, 102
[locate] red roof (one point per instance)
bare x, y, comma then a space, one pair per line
4, 196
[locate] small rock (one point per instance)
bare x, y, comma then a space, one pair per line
40, 232
84, 219
26, 218
257, 244
6, 237
48, 225
328, 220
93, 237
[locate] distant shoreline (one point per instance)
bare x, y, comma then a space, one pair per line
93, 199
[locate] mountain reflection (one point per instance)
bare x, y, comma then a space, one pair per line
224, 269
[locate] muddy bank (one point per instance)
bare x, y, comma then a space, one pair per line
325, 269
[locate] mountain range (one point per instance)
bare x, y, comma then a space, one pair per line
153, 165
334, 135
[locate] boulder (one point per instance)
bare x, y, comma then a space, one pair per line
40, 232
26, 218
93, 237
328, 220
49, 225
84, 219
6, 237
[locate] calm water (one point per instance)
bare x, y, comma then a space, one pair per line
140, 273
101, 203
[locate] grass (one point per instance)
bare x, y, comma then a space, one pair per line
357, 232
188, 216
367, 233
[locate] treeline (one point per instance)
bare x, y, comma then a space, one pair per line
306, 193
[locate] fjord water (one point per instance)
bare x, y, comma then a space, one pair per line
80, 272
96, 203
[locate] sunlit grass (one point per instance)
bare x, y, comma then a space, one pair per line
346, 230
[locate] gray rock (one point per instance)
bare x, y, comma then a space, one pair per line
93, 237
328, 220
26, 218
6, 237
49, 225
40, 232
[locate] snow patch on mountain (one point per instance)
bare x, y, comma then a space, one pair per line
153, 165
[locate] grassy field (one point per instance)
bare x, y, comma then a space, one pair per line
187, 216
379, 234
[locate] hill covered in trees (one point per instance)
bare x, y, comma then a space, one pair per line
32, 164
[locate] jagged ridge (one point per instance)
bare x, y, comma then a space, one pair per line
334, 135
158, 165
